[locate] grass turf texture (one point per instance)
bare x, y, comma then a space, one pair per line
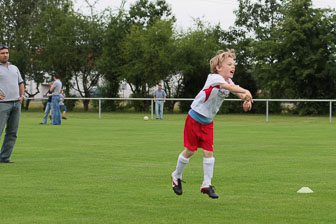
117, 170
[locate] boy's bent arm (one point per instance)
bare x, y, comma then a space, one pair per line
242, 93
243, 96
233, 88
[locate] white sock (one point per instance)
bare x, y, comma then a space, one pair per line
181, 164
208, 167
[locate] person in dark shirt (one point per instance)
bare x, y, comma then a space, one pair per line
47, 108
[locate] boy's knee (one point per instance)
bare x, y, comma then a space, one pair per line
207, 154
187, 153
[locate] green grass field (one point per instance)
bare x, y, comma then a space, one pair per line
117, 170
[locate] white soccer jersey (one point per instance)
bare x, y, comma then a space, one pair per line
210, 98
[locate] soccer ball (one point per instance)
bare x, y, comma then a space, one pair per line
145, 118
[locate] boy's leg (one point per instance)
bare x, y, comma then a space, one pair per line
191, 140
182, 162
64, 111
208, 160
46, 112
63, 115
176, 176
208, 167
51, 111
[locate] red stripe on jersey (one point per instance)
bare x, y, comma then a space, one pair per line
208, 91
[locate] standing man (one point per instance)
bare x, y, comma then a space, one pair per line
56, 91
11, 97
159, 99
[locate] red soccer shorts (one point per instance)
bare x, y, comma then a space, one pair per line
197, 135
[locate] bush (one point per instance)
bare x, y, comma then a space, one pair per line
70, 104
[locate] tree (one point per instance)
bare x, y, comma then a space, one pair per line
111, 61
259, 17
89, 50
129, 43
298, 61
145, 13
147, 55
17, 23
70, 44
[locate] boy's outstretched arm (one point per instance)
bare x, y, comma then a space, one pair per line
245, 96
242, 93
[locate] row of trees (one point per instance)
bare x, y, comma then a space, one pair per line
285, 49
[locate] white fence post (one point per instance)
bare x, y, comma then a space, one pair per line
266, 110
99, 109
330, 114
152, 109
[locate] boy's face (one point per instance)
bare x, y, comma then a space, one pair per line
227, 68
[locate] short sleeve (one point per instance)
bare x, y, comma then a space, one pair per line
231, 82
20, 80
215, 79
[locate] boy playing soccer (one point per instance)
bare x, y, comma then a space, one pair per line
198, 129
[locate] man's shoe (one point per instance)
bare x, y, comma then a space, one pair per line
177, 185
64, 118
7, 161
209, 191
42, 123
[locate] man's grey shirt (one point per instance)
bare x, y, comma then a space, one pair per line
57, 88
10, 78
160, 94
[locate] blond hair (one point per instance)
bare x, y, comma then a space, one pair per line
220, 58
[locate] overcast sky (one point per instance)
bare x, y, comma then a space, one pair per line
213, 11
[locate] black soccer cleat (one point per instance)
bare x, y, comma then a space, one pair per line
177, 185
209, 191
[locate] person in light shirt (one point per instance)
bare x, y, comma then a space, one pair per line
11, 97
159, 100
198, 129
